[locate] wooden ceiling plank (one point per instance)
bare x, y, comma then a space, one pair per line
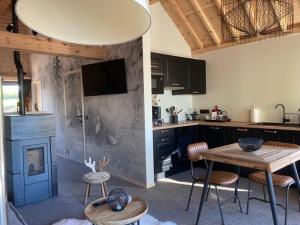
187, 24
206, 22
4, 6
198, 52
233, 32
153, 1
43, 45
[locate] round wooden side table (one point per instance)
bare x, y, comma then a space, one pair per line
95, 178
103, 215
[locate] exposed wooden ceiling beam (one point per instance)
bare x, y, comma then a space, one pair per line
206, 22
188, 26
233, 32
48, 46
4, 6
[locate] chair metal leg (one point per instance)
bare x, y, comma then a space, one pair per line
286, 203
238, 172
190, 196
272, 197
248, 198
204, 192
207, 193
219, 204
296, 177
236, 197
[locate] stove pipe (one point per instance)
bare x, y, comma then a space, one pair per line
18, 63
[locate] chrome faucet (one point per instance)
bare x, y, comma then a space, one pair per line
284, 119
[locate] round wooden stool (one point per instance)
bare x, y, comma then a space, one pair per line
95, 178
103, 215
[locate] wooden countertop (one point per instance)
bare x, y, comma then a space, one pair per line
223, 124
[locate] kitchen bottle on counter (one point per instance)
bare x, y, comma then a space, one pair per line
255, 114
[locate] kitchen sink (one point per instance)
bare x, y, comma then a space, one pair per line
276, 124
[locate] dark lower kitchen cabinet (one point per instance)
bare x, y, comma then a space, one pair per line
215, 136
273, 135
163, 147
294, 138
170, 154
239, 132
183, 137
170, 145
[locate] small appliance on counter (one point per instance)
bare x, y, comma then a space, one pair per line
156, 116
217, 115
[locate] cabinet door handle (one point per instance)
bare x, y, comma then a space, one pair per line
242, 130
165, 139
163, 131
214, 128
271, 131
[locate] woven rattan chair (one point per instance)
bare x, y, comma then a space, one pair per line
218, 178
279, 181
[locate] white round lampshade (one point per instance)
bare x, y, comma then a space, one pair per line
87, 22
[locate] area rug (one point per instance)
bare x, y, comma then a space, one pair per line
146, 220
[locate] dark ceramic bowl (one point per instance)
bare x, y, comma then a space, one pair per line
250, 144
117, 199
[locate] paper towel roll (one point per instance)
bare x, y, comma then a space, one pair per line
255, 115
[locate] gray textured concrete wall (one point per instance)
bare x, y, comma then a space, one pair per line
116, 123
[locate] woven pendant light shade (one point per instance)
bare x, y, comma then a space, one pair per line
256, 18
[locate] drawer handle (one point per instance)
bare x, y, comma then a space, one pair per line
175, 84
214, 128
195, 92
163, 131
154, 66
165, 139
271, 131
242, 130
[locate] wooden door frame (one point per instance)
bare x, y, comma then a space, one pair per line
3, 211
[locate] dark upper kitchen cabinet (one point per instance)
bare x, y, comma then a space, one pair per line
176, 72
182, 75
196, 78
158, 65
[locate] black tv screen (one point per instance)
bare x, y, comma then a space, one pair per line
104, 78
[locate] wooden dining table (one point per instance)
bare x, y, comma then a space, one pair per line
268, 159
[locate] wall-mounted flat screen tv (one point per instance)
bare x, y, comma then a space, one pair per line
104, 78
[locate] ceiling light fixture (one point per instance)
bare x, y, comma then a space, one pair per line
242, 19
92, 22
